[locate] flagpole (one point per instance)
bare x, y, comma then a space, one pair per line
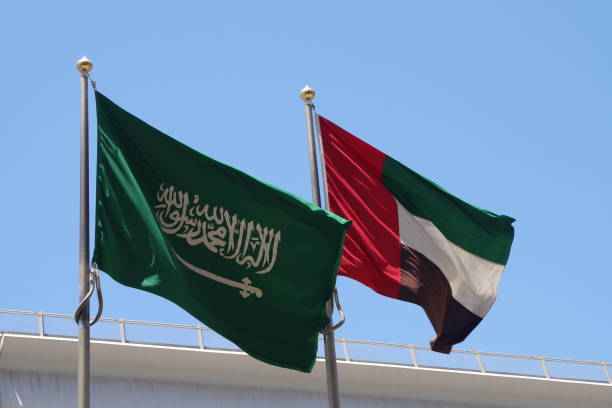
84, 66
331, 368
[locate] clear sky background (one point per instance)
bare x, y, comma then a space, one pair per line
505, 104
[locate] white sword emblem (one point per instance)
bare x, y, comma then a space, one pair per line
245, 284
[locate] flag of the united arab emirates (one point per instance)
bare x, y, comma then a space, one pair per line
252, 262
411, 239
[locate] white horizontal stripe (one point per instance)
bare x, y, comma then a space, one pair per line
473, 280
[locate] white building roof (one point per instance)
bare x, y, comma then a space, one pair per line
40, 356
39, 369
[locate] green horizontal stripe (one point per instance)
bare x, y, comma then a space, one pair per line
478, 231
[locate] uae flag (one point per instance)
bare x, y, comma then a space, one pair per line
412, 240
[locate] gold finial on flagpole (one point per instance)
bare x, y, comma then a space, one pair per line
84, 65
307, 94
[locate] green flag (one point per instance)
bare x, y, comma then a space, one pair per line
252, 262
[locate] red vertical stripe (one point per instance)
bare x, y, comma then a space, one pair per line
354, 180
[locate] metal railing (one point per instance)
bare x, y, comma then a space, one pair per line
411, 350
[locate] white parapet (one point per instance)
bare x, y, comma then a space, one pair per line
39, 371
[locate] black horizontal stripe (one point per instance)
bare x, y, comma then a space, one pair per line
424, 284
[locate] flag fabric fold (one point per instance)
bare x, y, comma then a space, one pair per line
252, 262
412, 240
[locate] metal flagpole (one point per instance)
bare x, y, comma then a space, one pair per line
307, 95
84, 66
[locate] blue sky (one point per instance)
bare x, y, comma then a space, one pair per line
505, 104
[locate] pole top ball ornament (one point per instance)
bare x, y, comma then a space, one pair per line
307, 94
84, 65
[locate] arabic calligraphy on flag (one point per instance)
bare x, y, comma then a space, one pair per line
186, 216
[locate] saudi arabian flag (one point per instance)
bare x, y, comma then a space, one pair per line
252, 262
411, 239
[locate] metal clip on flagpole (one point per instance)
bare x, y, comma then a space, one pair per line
330, 328
94, 284
307, 94
84, 66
